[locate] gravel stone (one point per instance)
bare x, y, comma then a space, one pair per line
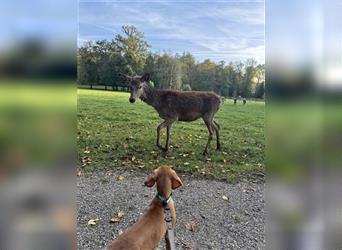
238, 223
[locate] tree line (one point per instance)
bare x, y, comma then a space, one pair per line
103, 62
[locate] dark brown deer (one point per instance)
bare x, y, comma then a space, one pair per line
173, 105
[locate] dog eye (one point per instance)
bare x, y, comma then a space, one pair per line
139, 87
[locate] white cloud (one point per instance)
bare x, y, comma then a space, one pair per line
219, 30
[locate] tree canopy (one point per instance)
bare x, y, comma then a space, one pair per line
102, 62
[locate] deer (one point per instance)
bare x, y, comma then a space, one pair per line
174, 105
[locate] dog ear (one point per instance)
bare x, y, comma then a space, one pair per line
150, 180
175, 181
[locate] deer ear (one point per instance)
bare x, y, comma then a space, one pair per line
150, 180
146, 77
175, 181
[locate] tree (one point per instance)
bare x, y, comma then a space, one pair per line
188, 67
133, 48
246, 83
103, 62
87, 69
167, 72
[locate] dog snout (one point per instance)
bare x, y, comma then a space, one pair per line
131, 100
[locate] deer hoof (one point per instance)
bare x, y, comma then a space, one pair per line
205, 152
218, 148
163, 149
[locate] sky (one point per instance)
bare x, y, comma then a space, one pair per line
227, 30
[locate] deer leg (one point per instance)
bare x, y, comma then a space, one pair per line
160, 126
168, 132
217, 131
217, 125
208, 122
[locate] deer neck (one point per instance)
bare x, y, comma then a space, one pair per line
148, 95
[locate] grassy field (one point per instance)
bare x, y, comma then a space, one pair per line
114, 133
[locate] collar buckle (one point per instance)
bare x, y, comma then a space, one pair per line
163, 200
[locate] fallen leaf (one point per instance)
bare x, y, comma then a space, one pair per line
78, 173
187, 245
191, 226
93, 222
225, 198
237, 217
120, 214
115, 219
120, 178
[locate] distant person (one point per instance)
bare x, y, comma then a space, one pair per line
244, 101
235, 100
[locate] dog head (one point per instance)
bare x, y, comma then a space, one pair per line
165, 177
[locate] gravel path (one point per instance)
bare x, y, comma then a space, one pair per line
217, 224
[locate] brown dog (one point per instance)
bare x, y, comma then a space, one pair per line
147, 232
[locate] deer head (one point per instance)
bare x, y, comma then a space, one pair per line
136, 86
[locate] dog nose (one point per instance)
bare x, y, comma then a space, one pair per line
131, 100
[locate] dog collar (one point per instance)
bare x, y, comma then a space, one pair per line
163, 200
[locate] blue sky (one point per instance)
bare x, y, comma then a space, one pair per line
218, 30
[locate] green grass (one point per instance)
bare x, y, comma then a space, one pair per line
114, 133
